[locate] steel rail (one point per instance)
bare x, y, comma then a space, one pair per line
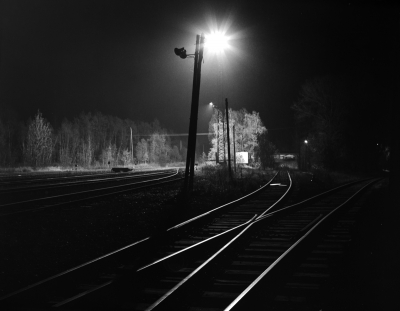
258, 219
56, 276
79, 182
205, 244
80, 193
138, 243
228, 205
148, 269
27, 179
246, 298
21, 179
195, 277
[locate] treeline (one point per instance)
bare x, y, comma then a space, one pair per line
88, 140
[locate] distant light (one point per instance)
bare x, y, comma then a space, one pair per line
306, 141
211, 104
216, 42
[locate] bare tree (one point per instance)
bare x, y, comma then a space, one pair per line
126, 157
158, 152
142, 150
39, 146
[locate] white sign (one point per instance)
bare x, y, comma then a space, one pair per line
242, 157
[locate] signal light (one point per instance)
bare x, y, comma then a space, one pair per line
180, 52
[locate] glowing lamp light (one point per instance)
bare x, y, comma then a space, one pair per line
216, 42
306, 141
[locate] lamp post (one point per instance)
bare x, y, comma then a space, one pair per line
191, 151
216, 40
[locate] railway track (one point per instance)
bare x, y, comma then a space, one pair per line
50, 185
241, 268
18, 201
103, 271
17, 181
242, 261
234, 277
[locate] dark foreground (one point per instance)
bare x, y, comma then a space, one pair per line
41, 245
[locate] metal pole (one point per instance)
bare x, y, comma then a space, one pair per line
193, 105
223, 136
234, 148
227, 133
195, 110
217, 159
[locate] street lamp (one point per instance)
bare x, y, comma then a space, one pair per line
213, 40
216, 41
191, 151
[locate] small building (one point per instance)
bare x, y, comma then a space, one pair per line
285, 156
288, 159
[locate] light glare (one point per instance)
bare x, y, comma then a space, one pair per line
216, 41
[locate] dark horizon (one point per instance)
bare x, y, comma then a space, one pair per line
65, 58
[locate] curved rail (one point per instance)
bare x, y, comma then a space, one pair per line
236, 248
308, 234
181, 293
140, 244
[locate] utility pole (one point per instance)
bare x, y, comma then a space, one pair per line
227, 132
217, 157
131, 148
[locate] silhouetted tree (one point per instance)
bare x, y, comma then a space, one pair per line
322, 114
12, 135
265, 151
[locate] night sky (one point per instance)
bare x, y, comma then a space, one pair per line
116, 57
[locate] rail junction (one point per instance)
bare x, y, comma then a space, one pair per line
253, 253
